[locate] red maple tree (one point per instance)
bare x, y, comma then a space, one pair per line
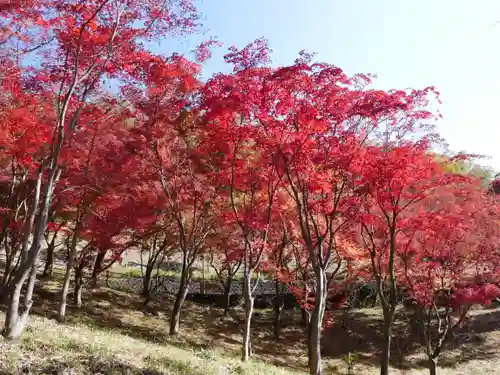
84, 45
450, 262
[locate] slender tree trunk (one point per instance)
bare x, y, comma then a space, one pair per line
433, 366
9, 257
386, 350
227, 294
70, 264
308, 335
305, 318
179, 300
146, 281
38, 221
17, 314
49, 260
316, 324
433, 353
64, 292
13, 324
67, 276
97, 269
77, 293
278, 309
16, 318
3, 235
249, 301
388, 305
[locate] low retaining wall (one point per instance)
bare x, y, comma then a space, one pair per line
210, 292
170, 285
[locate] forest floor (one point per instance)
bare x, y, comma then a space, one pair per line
112, 334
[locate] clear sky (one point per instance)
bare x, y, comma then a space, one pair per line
451, 44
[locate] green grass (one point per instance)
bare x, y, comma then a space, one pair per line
113, 334
197, 275
137, 272
48, 347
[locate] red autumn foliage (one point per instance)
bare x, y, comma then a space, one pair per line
450, 262
57, 57
299, 171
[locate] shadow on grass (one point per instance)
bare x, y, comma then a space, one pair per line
89, 366
470, 342
202, 327
81, 360
361, 334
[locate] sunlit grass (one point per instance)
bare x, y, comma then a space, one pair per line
48, 347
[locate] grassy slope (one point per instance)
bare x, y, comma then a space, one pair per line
111, 335
52, 348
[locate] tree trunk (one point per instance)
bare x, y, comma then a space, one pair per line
69, 267
77, 293
13, 323
179, 301
9, 257
316, 324
64, 293
227, 294
146, 281
249, 300
388, 305
305, 318
308, 335
97, 269
65, 288
433, 366
278, 309
386, 350
49, 260
15, 319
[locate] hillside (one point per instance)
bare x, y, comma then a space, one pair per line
113, 335
50, 348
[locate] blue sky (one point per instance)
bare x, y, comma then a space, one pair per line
451, 44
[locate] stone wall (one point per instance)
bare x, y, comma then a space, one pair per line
362, 294
170, 285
